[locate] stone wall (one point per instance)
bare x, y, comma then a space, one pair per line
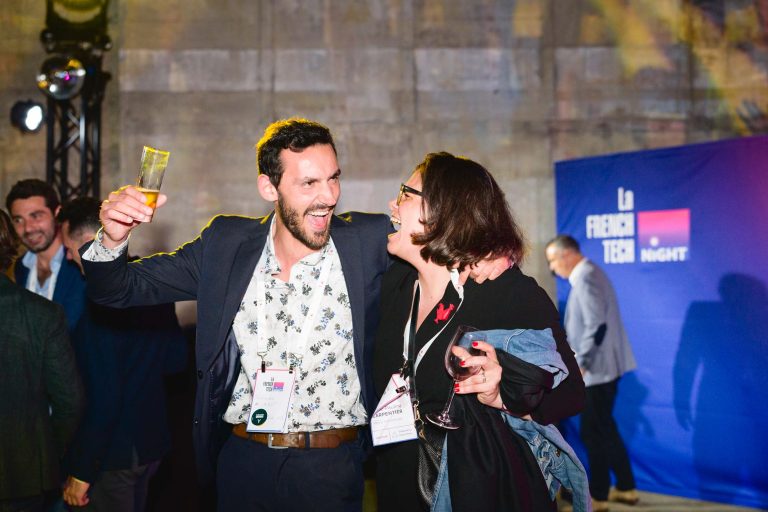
516, 85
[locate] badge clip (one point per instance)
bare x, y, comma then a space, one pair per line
418, 422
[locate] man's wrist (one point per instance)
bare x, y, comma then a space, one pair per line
108, 242
98, 252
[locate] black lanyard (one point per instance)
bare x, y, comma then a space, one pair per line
409, 371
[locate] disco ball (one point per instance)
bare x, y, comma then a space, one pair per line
61, 77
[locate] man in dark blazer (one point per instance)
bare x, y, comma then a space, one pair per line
43, 269
299, 173
40, 392
123, 355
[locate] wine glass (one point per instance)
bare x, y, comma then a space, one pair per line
464, 337
153, 164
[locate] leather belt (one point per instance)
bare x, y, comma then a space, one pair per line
320, 439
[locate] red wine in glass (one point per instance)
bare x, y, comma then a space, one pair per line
464, 337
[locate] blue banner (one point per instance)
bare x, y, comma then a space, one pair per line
682, 234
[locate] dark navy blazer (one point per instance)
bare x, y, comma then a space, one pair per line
215, 269
123, 355
69, 290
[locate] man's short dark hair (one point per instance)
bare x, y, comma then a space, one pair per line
564, 242
32, 187
295, 134
9, 242
82, 214
466, 217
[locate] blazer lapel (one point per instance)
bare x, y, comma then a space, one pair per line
348, 245
64, 282
20, 272
243, 265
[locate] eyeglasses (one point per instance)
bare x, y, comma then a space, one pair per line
405, 189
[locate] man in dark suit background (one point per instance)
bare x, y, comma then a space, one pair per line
40, 392
122, 355
43, 269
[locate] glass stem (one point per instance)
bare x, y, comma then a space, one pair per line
447, 408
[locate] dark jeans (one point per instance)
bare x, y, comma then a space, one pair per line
605, 448
254, 477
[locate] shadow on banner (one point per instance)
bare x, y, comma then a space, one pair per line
720, 363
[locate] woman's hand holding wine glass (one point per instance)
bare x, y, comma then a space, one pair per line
473, 365
483, 372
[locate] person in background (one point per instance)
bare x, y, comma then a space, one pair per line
596, 334
123, 355
452, 213
43, 269
41, 396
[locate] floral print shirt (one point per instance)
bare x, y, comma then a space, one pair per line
327, 390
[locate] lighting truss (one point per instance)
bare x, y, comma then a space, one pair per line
73, 124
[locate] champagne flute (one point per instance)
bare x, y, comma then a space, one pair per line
153, 164
464, 337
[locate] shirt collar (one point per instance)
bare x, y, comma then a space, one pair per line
29, 260
271, 266
579, 269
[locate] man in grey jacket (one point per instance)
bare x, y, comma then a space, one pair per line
596, 334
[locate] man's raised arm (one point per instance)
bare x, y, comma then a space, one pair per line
122, 211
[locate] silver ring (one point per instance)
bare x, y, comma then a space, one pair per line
482, 371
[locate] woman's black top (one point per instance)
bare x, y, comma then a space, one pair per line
490, 467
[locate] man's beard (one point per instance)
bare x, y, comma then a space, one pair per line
41, 246
292, 220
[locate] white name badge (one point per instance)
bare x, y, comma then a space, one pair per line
393, 420
272, 393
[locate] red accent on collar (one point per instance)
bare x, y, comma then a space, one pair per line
443, 313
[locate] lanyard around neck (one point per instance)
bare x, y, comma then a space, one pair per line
409, 333
408, 367
298, 348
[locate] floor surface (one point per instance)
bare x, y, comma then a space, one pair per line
651, 502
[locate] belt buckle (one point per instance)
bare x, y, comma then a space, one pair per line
270, 438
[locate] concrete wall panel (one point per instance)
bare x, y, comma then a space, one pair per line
516, 85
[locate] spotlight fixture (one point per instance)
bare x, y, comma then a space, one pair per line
27, 116
75, 39
76, 24
61, 77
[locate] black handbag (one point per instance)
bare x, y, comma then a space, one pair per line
430, 449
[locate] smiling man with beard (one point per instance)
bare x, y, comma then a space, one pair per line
43, 269
287, 305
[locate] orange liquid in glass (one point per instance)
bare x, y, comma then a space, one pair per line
151, 196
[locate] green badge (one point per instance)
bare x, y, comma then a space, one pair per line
259, 416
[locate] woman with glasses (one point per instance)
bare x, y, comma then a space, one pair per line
452, 214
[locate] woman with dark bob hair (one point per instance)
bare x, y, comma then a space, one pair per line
452, 214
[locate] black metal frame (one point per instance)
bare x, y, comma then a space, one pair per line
76, 124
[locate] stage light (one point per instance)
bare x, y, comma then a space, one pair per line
75, 39
61, 77
76, 24
27, 116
